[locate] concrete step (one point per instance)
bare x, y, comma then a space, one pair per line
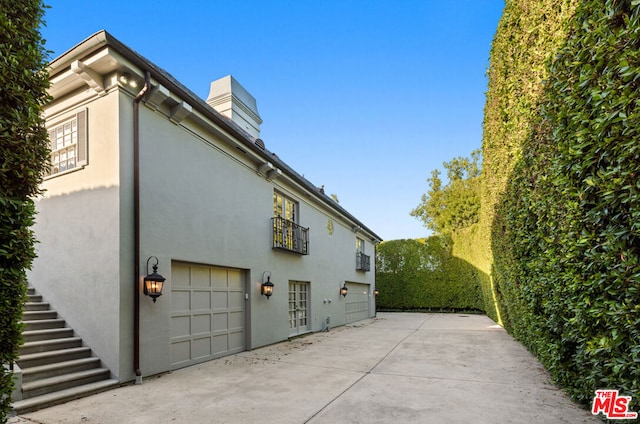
59, 368
34, 298
43, 324
62, 396
62, 382
49, 357
48, 345
55, 366
52, 344
47, 334
38, 315
37, 306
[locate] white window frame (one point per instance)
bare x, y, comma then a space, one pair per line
289, 207
68, 143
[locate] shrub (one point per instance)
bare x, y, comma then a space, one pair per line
24, 152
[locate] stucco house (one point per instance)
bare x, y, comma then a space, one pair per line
145, 174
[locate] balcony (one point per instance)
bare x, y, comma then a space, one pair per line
363, 262
289, 236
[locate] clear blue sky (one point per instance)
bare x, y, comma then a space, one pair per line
364, 97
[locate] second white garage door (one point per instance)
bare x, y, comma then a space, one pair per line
357, 302
207, 313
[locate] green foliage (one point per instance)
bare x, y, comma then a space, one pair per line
448, 208
24, 151
423, 274
528, 35
566, 229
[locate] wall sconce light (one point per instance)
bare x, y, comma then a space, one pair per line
266, 288
344, 290
153, 282
376, 292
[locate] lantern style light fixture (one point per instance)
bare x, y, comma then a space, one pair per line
376, 292
153, 282
266, 288
344, 290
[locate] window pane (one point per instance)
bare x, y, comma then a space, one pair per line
64, 144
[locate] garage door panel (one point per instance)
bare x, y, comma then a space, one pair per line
201, 324
236, 319
235, 280
236, 298
236, 341
220, 321
180, 275
180, 326
201, 348
201, 299
200, 276
219, 278
220, 343
207, 314
181, 352
220, 300
180, 300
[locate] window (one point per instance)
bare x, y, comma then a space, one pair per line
287, 234
363, 262
68, 144
284, 207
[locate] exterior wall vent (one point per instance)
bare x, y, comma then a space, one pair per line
260, 143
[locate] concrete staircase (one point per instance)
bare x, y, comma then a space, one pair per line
55, 365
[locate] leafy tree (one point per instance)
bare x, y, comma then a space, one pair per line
24, 150
446, 208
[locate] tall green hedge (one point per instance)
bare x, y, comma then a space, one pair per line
423, 274
566, 225
527, 37
23, 152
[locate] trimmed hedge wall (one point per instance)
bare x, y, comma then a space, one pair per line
566, 230
24, 149
423, 274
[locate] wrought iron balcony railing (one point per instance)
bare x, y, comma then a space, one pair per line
289, 236
363, 262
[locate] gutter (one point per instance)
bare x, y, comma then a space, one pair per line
136, 225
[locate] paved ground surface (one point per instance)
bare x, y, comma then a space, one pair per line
396, 368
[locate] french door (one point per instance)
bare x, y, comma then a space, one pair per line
298, 307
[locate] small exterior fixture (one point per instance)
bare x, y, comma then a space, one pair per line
344, 290
126, 79
153, 282
266, 289
376, 292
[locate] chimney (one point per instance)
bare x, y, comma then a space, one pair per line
230, 99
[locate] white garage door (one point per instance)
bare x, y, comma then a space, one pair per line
357, 302
207, 313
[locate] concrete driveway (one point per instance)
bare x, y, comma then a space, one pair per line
396, 368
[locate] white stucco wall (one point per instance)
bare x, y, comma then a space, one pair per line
205, 204
77, 268
201, 201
